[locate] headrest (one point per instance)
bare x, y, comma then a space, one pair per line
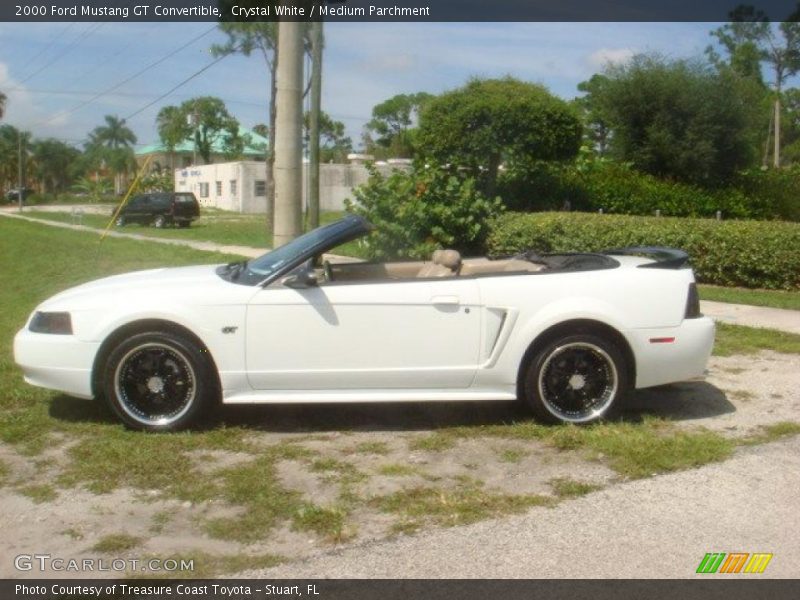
447, 258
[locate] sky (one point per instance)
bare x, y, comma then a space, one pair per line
52, 72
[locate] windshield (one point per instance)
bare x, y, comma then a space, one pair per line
259, 269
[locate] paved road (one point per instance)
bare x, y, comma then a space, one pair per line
752, 316
658, 528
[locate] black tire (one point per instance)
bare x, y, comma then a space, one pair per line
576, 379
160, 222
121, 221
184, 224
156, 381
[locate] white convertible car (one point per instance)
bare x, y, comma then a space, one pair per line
568, 334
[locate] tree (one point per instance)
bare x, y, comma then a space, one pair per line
334, 144
740, 38
3, 100
112, 144
204, 120
261, 129
749, 39
260, 37
491, 122
392, 122
597, 130
11, 139
53, 161
172, 129
677, 119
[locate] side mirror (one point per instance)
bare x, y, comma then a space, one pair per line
300, 281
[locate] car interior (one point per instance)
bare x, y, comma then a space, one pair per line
443, 263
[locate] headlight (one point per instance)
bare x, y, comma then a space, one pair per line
51, 322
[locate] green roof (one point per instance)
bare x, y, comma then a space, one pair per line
256, 147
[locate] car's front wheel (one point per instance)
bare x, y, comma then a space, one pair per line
158, 381
575, 379
120, 221
160, 221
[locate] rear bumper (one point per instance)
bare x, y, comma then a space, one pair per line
56, 362
683, 358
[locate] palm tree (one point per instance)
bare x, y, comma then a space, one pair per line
2, 104
115, 139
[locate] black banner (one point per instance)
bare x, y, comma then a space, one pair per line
386, 10
716, 588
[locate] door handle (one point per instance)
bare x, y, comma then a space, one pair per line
451, 300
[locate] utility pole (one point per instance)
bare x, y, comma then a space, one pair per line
313, 124
289, 134
20, 187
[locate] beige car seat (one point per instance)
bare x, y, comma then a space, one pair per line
444, 263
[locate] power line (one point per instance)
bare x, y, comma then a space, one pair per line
181, 84
127, 80
88, 31
53, 40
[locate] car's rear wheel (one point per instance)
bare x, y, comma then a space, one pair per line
183, 224
575, 379
158, 381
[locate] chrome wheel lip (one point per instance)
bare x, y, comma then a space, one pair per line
596, 412
160, 420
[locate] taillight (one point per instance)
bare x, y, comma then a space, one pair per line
693, 303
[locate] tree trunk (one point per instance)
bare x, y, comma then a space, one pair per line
777, 157
313, 125
289, 134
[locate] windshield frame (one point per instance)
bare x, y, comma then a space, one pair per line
341, 231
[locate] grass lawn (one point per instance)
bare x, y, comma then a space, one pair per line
97, 454
770, 298
736, 339
213, 226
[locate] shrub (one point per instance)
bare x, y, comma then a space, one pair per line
618, 188
756, 254
416, 212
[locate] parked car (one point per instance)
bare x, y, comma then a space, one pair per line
160, 209
568, 334
12, 195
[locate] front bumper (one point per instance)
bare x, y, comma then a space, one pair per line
685, 358
56, 362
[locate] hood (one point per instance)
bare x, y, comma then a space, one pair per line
158, 282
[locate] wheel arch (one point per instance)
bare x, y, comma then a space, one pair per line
141, 326
572, 327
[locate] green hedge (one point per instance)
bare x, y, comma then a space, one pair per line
755, 254
619, 189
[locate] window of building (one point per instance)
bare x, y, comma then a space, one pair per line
260, 188
219, 188
233, 187
204, 190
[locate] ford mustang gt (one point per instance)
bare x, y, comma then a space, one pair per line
568, 334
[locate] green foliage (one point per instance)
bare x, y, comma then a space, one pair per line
491, 122
591, 185
416, 212
732, 253
157, 182
334, 145
204, 120
392, 122
54, 164
677, 119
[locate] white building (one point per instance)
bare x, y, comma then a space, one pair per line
241, 186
